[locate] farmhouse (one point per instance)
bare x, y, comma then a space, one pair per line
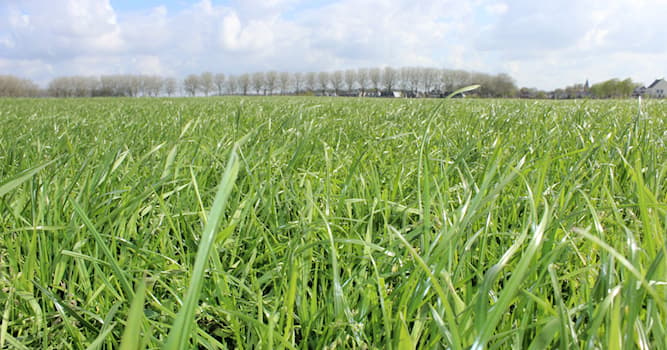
658, 89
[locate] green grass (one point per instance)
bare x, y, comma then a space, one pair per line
332, 223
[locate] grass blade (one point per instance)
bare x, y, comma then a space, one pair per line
131, 338
120, 274
20, 178
182, 326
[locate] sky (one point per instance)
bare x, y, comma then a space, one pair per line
544, 44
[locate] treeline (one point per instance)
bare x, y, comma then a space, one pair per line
11, 86
112, 86
612, 88
406, 81
388, 81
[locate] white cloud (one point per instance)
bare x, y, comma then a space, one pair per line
497, 8
59, 30
545, 44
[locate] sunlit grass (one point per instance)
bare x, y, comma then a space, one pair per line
345, 223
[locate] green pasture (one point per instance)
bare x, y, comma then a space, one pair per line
322, 223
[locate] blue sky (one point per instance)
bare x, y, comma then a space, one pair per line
544, 44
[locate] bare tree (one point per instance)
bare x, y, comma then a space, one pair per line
389, 78
206, 84
124, 84
323, 81
11, 86
73, 86
271, 79
461, 78
404, 78
59, 87
362, 79
152, 84
350, 79
191, 84
414, 77
311, 81
375, 76
219, 81
141, 85
109, 86
429, 77
134, 84
244, 83
298, 82
446, 81
232, 85
336, 81
284, 80
257, 81
170, 86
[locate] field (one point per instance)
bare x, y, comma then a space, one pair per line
332, 223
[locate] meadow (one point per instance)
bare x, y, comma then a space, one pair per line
322, 223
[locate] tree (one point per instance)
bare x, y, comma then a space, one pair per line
350, 79
206, 84
232, 84
257, 81
414, 78
298, 82
271, 80
244, 83
613, 88
323, 81
428, 77
125, 83
389, 78
404, 78
362, 79
375, 76
446, 81
11, 86
152, 84
134, 85
504, 86
219, 81
73, 86
170, 86
191, 84
284, 80
311, 81
461, 78
337, 81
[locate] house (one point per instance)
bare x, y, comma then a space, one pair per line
658, 89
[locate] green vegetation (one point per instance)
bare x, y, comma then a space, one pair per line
614, 88
332, 223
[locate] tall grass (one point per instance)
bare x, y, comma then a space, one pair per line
338, 223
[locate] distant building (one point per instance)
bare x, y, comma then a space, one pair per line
658, 89
639, 91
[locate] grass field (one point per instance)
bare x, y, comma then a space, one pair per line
333, 223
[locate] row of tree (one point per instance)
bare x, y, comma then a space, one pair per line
112, 85
11, 86
410, 81
415, 81
388, 81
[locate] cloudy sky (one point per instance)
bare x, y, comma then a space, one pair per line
544, 44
